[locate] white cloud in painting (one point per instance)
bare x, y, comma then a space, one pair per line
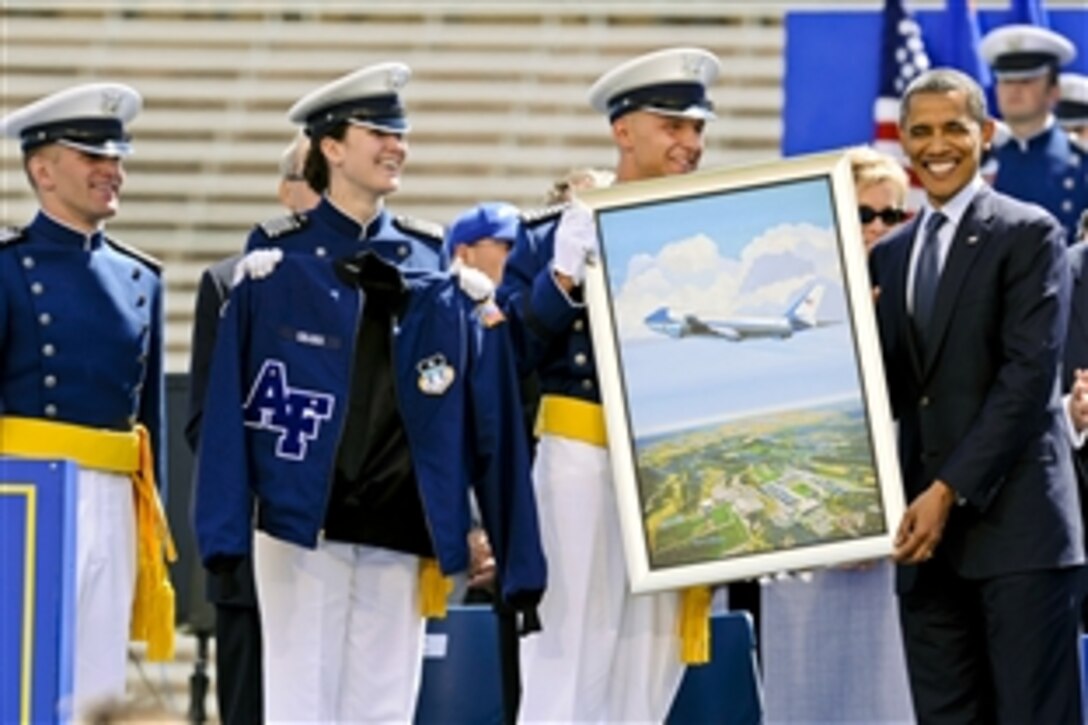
691, 276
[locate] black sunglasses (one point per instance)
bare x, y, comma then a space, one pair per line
890, 216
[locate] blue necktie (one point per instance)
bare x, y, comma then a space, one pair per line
926, 277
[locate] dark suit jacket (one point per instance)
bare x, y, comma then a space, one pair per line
1076, 350
234, 588
982, 412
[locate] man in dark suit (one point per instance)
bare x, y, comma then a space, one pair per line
239, 686
972, 308
1075, 373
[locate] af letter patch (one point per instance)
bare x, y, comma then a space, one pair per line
295, 414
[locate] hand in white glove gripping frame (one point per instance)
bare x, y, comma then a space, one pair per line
575, 241
258, 264
472, 281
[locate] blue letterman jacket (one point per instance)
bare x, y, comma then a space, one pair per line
276, 404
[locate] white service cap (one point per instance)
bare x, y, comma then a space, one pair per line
90, 118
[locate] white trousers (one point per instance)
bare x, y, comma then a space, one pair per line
605, 655
105, 585
343, 637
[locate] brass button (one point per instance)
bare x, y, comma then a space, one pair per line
320, 251
587, 384
48, 350
28, 262
579, 325
924, 402
580, 359
50, 381
50, 411
44, 319
37, 288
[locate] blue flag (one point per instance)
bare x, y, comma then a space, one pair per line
1030, 12
961, 39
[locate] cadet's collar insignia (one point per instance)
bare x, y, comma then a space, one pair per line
435, 374
489, 314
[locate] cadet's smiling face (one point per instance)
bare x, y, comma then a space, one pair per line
653, 145
77, 188
366, 159
944, 142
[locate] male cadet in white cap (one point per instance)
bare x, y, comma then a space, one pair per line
81, 372
1037, 163
604, 655
1072, 108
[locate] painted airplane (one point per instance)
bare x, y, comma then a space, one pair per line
801, 315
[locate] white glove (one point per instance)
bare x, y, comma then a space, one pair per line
575, 241
258, 264
474, 283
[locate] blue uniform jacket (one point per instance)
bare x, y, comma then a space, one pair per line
81, 331
277, 396
550, 330
1049, 170
327, 232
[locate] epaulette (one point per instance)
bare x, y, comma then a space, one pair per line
283, 225
128, 250
10, 235
420, 227
537, 216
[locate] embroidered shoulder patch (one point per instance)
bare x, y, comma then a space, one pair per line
131, 251
420, 227
537, 216
283, 225
10, 235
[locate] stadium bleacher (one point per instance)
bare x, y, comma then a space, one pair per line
497, 102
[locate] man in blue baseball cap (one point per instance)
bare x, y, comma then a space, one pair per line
81, 374
482, 236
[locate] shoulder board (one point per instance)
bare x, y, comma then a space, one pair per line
283, 225
154, 264
420, 227
10, 235
537, 216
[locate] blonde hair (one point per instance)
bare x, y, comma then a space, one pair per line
870, 166
576, 179
293, 157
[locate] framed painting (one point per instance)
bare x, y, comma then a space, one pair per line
741, 375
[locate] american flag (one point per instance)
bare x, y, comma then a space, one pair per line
903, 57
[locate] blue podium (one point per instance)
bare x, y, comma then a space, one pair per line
37, 587
462, 678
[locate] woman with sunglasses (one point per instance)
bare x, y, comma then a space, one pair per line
803, 620
881, 186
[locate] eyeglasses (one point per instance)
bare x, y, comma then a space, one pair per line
890, 216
